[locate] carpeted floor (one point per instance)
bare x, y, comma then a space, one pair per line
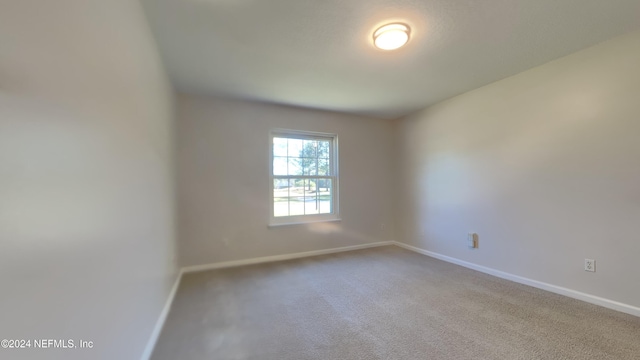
383, 303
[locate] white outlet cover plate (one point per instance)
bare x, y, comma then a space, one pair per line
589, 265
471, 240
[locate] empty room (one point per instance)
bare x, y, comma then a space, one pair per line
306, 179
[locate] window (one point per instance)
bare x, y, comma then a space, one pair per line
304, 177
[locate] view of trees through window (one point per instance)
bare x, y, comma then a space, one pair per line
302, 178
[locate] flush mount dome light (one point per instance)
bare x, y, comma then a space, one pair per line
391, 36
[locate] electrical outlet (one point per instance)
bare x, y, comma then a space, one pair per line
589, 265
472, 240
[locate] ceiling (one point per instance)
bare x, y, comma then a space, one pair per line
319, 53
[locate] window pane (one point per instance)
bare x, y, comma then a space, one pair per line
323, 149
323, 167
324, 196
311, 205
294, 166
279, 165
280, 197
307, 159
280, 188
308, 166
296, 197
295, 147
310, 187
309, 148
279, 146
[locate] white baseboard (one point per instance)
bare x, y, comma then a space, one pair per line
264, 259
610, 304
151, 344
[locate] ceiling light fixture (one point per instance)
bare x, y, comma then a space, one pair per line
391, 36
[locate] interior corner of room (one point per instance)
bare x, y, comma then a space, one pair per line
136, 155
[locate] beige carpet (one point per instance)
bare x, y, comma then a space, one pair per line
383, 303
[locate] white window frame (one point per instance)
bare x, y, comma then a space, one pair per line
333, 158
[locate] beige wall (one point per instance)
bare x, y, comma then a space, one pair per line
223, 177
544, 166
87, 245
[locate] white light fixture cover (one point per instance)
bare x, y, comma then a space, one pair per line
391, 36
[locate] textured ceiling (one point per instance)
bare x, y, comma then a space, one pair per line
319, 53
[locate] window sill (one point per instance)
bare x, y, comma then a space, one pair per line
274, 225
